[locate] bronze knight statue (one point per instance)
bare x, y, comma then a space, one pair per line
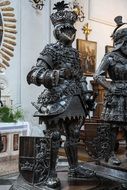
65, 101
115, 64
64, 104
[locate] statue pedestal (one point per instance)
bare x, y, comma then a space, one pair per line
117, 174
68, 183
34, 163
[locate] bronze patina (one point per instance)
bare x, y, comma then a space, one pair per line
65, 100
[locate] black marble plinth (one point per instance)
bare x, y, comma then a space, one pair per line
70, 183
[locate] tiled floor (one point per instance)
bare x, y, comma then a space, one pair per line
8, 173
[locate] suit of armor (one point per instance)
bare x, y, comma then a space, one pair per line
59, 71
115, 107
65, 101
115, 64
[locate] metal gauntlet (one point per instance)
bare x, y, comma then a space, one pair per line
38, 76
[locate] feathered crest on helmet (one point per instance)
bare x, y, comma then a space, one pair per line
60, 6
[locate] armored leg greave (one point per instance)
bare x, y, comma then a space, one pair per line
71, 153
72, 131
52, 180
113, 159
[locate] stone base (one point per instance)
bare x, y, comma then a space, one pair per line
69, 184
21, 184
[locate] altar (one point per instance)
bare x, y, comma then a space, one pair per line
15, 127
10, 133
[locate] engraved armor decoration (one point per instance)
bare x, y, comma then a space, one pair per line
115, 63
34, 158
65, 101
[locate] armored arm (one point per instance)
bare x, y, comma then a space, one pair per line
87, 95
85, 91
43, 72
102, 70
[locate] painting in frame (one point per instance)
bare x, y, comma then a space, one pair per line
88, 51
108, 49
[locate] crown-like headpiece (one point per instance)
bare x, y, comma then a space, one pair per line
62, 15
119, 23
119, 34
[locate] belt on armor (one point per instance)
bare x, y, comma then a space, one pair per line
119, 81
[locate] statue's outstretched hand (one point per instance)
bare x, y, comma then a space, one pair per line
59, 75
91, 103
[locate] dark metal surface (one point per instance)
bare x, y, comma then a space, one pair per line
100, 146
74, 184
65, 101
115, 105
109, 173
34, 158
64, 104
21, 184
115, 64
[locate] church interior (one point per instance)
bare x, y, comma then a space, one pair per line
26, 30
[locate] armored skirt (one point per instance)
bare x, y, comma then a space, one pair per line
115, 105
58, 105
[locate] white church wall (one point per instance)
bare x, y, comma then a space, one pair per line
34, 36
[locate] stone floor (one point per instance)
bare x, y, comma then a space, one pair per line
7, 180
8, 167
8, 173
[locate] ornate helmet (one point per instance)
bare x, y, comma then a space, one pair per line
119, 35
62, 16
